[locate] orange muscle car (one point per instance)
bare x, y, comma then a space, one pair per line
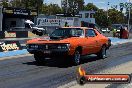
69, 41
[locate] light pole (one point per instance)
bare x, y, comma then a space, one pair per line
67, 6
108, 14
64, 5
129, 17
108, 10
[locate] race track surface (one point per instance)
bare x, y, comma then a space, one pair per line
24, 72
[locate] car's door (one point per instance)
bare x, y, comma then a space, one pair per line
90, 40
98, 43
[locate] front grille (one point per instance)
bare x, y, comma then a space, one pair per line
46, 47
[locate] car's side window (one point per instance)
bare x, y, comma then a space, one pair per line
77, 32
90, 33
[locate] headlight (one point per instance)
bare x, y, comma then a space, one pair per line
63, 46
68, 46
33, 46
36, 46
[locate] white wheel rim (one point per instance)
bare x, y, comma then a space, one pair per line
77, 57
104, 52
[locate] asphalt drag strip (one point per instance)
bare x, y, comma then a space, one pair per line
24, 72
124, 68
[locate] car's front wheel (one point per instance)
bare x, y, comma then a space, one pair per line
102, 53
39, 59
76, 58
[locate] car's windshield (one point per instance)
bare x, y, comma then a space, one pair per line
67, 32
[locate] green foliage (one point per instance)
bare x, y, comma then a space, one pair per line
4, 3
30, 4
91, 6
80, 4
72, 6
51, 9
115, 16
101, 18
127, 16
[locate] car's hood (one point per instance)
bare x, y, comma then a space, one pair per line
48, 40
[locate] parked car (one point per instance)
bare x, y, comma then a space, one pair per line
104, 30
34, 28
30, 26
70, 42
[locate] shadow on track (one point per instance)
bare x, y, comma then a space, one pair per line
63, 63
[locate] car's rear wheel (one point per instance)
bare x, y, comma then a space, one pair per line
102, 53
39, 58
76, 58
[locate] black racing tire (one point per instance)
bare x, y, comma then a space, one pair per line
39, 59
102, 53
34, 31
76, 58
40, 33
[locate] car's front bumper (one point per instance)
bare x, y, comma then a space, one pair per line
50, 53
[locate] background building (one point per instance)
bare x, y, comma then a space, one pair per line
15, 17
87, 18
50, 23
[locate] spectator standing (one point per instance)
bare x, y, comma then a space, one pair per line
121, 32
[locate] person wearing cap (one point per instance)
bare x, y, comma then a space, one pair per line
66, 24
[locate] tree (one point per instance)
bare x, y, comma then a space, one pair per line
30, 4
101, 18
51, 9
91, 6
72, 7
80, 4
100, 15
16, 3
116, 17
4, 3
127, 16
